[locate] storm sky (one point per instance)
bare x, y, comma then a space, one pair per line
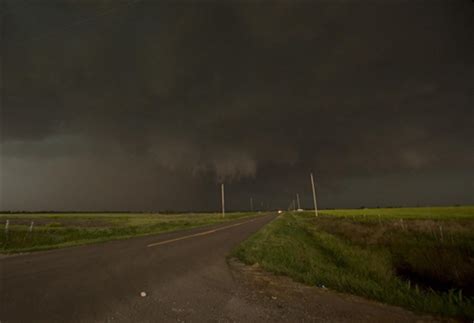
150, 105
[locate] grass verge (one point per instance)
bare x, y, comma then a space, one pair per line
404, 259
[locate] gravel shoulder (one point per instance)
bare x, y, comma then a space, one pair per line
290, 301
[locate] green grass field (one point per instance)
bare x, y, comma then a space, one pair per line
418, 258
64, 230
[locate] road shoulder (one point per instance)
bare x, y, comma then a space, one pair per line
297, 302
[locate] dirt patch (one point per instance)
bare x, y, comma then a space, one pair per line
298, 302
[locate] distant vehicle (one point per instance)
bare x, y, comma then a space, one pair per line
300, 210
280, 211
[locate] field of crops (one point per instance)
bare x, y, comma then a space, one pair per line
418, 258
30, 232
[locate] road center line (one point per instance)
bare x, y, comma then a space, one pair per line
199, 234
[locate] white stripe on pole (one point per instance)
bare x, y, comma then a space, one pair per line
314, 196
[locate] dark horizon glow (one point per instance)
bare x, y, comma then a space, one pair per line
150, 105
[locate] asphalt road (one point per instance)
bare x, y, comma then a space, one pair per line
184, 274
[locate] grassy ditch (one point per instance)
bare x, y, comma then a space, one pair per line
402, 257
62, 230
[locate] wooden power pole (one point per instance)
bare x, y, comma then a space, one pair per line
223, 200
314, 196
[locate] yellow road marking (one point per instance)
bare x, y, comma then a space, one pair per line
198, 234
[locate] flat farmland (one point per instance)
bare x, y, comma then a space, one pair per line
31, 232
418, 258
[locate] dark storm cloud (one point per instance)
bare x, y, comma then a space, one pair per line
146, 104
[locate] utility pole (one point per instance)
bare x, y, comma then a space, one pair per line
314, 196
298, 200
223, 200
251, 205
